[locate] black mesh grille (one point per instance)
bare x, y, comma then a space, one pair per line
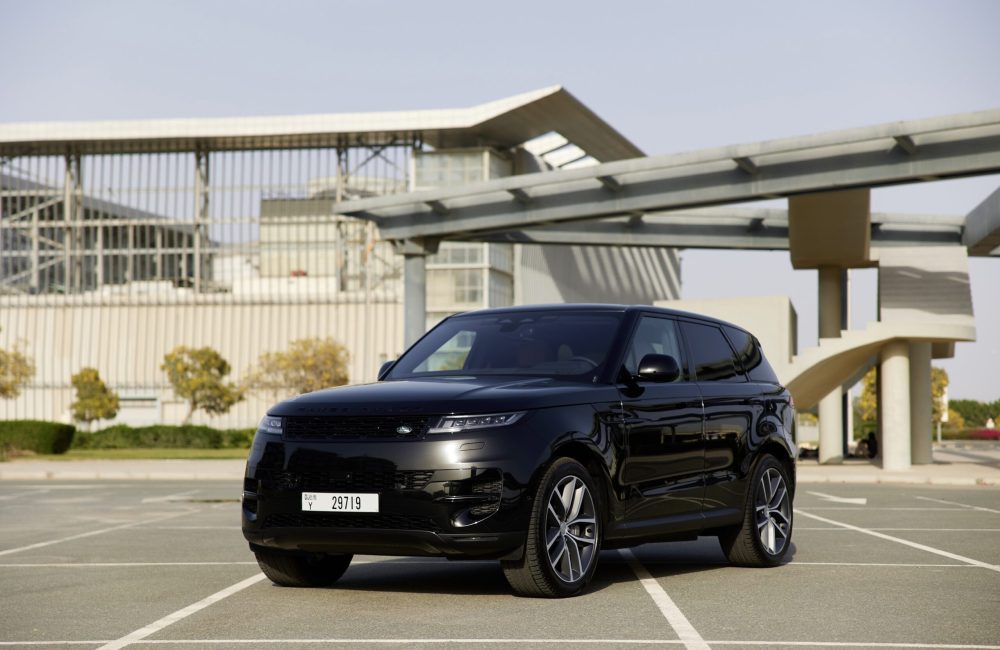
364, 480
337, 520
402, 427
492, 489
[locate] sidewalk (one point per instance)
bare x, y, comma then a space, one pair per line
953, 465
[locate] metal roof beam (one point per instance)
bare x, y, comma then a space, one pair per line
960, 145
732, 228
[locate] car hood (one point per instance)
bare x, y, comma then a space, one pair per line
440, 396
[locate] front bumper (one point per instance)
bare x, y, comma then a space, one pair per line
451, 497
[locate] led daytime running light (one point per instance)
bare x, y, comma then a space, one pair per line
456, 423
271, 424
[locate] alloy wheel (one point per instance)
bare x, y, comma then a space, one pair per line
773, 512
571, 532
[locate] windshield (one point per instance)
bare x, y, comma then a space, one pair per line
563, 344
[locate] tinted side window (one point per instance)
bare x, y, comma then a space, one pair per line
655, 336
750, 355
711, 355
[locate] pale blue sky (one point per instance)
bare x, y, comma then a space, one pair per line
671, 76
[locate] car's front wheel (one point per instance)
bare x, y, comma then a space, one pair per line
564, 535
295, 569
764, 537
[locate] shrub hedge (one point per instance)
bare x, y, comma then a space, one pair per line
36, 435
121, 436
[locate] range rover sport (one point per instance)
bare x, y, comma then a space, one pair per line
536, 436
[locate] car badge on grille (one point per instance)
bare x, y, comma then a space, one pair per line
403, 430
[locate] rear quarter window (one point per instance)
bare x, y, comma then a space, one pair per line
711, 356
749, 353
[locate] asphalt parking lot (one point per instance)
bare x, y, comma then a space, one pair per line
152, 565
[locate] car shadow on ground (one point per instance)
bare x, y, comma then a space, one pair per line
485, 578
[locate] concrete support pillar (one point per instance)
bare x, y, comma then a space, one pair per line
920, 403
414, 297
831, 413
894, 405
415, 252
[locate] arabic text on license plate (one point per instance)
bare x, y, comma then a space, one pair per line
339, 502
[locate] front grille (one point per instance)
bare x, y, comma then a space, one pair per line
388, 427
363, 480
337, 520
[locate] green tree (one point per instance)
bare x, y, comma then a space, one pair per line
198, 377
15, 370
94, 400
308, 365
868, 402
939, 382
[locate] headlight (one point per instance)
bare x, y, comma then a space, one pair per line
456, 423
271, 424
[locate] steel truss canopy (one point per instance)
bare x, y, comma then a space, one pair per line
503, 123
632, 190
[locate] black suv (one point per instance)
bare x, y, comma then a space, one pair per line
533, 435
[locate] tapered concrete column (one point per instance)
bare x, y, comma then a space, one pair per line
831, 414
415, 252
894, 405
920, 404
414, 298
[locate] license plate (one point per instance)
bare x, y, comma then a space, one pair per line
339, 502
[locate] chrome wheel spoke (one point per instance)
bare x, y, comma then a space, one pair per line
575, 563
551, 537
566, 497
777, 497
772, 512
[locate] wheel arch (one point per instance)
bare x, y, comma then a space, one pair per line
595, 464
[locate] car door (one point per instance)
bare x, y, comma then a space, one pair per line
732, 404
664, 464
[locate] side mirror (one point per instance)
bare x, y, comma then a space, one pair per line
384, 370
661, 368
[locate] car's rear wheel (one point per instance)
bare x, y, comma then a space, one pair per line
764, 537
295, 569
564, 535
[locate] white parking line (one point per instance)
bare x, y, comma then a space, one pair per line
799, 529
181, 614
94, 532
170, 497
964, 505
548, 641
900, 540
872, 509
858, 501
675, 617
885, 564
88, 565
12, 497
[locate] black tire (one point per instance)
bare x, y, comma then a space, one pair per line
577, 531
294, 569
765, 535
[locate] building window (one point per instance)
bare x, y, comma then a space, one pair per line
468, 285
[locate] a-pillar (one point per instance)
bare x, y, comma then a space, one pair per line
831, 414
894, 405
920, 403
415, 252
